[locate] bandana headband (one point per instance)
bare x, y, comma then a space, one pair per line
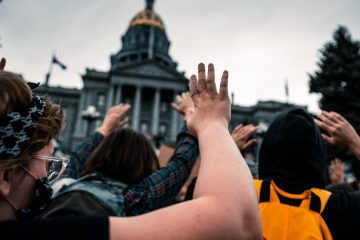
16, 128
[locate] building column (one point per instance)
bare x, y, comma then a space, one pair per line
79, 123
110, 98
174, 120
118, 95
137, 108
156, 113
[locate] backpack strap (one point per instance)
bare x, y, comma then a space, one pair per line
318, 199
265, 191
322, 197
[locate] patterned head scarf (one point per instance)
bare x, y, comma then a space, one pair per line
16, 128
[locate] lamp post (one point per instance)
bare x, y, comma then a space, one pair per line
90, 115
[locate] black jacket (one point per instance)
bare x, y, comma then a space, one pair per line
293, 154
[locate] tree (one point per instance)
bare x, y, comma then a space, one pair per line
338, 77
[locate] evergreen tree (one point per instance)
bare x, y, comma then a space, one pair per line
338, 77
338, 82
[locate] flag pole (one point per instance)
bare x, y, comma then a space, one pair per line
48, 74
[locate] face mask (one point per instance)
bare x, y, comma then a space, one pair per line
40, 200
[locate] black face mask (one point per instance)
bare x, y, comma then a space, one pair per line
40, 200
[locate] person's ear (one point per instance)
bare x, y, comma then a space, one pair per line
4, 183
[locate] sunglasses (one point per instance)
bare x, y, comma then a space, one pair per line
55, 166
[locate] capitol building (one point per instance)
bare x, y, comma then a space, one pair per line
142, 74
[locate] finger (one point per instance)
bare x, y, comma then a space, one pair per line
123, 122
252, 129
237, 127
175, 106
331, 117
2, 64
179, 98
322, 125
123, 109
210, 80
249, 143
194, 91
224, 85
338, 117
328, 139
202, 78
324, 117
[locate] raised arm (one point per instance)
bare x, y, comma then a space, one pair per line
161, 188
341, 132
225, 204
241, 135
114, 119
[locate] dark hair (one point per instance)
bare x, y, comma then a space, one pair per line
16, 96
125, 155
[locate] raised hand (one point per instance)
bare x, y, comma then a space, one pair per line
210, 107
2, 64
114, 119
341, 132
337, 171
241, 135
184, 104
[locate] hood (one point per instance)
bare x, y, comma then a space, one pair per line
293, 152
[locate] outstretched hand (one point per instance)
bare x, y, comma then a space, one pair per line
337, 171
210, 107
114, 119
241, 135
184, 104
341, 132
2, 64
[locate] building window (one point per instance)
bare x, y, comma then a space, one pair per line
163, 107
100, 100
162, 129
144, 127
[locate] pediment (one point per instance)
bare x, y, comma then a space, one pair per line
150, 69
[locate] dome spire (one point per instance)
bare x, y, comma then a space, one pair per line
149, 4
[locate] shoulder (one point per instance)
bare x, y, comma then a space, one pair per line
342, 213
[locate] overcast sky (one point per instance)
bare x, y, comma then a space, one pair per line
261, 43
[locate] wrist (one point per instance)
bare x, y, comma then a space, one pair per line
104, 131
213, 126
355, 144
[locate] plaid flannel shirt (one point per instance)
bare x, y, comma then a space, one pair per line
155, 191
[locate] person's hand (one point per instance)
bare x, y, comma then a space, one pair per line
114, 119
210, 107
337, 171
241, 135
184, 104
340, 130
2, 64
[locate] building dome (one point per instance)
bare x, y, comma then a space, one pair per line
147, 17
145, 39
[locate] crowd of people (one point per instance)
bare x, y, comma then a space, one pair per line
107, 192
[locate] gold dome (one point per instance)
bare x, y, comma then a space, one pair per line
147, 17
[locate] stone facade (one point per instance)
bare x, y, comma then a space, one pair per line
144, 75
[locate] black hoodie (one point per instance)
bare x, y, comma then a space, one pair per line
293, 152
293, 155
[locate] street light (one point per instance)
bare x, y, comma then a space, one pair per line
90, 115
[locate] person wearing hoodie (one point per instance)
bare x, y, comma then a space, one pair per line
293, 162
